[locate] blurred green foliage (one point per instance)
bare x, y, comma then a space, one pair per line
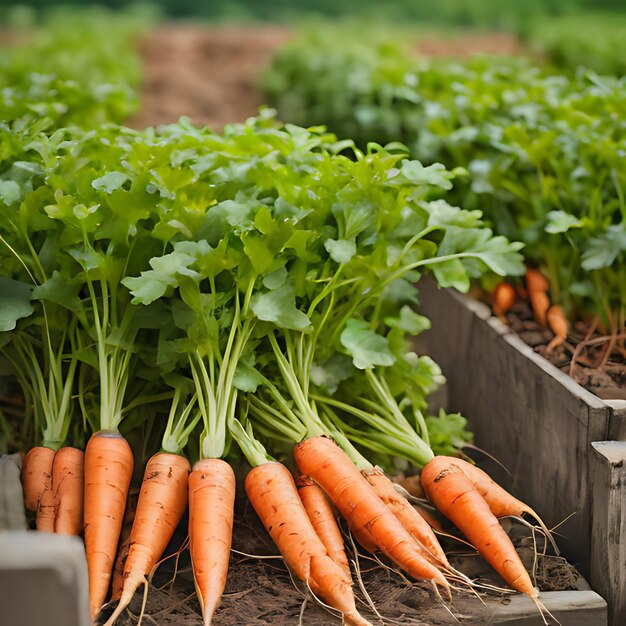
482, 13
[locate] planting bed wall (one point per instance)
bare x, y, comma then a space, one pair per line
533, 418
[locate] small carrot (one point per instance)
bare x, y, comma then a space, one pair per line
363, 539
211, 511
431, 516
504, 297
408, 516
336, 474
67, 485
538, 287
457, 498
162, 503
274, 496
558, 325
36, 475
322, 517
108, 471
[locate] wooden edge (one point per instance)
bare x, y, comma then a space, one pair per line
608, 525
483, 312
12, 513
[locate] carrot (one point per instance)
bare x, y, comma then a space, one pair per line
322, 517
408, 516
36, 475
363, 539
108, 470
538, 287
67, 486
117, 582
504, 297
45, 511
274, 496
558, 325
211, 512
162, 503
336, 474
430, 516
457, 498
501, 503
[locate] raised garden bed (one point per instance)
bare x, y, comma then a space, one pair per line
533, 418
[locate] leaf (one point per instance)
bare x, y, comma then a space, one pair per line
247, 378
603, 250
9, 192
14, 302
335, 370
340, 250
561, 222
366, 347
110, 182
276, 279
58, 290
435, 174
409, 321
452, 273
279, 306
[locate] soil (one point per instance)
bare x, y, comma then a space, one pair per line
261, 591
210, 74
607, 381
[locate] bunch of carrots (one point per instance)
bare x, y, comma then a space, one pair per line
537, 290
199, 295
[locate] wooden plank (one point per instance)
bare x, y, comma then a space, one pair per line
53, 565
536, 420
608, 526
617, 429
12, 514
571, 608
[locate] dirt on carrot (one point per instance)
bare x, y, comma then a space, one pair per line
261, 592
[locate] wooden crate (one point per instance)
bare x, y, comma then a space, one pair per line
533, 418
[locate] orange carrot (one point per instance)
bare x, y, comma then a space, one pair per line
538, 287
162, 503
211, 513
503, 298
430, 515
363, 539
322, 517
336, 474
117, 582
45, 510
501, 503
67, 486
274, 496
36, 475
108, 470
408, 516
558, 325
457, 498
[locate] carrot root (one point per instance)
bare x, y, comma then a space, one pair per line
211, 513
108, 471
456, 497
68, 487
274, 496
322, 517
336, 474
36, 475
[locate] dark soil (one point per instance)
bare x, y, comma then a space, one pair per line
262, 591
607, 381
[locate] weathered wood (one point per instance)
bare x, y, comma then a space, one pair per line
617, 429
12, 514
571, 608
43, 580
608, 526
531, 416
